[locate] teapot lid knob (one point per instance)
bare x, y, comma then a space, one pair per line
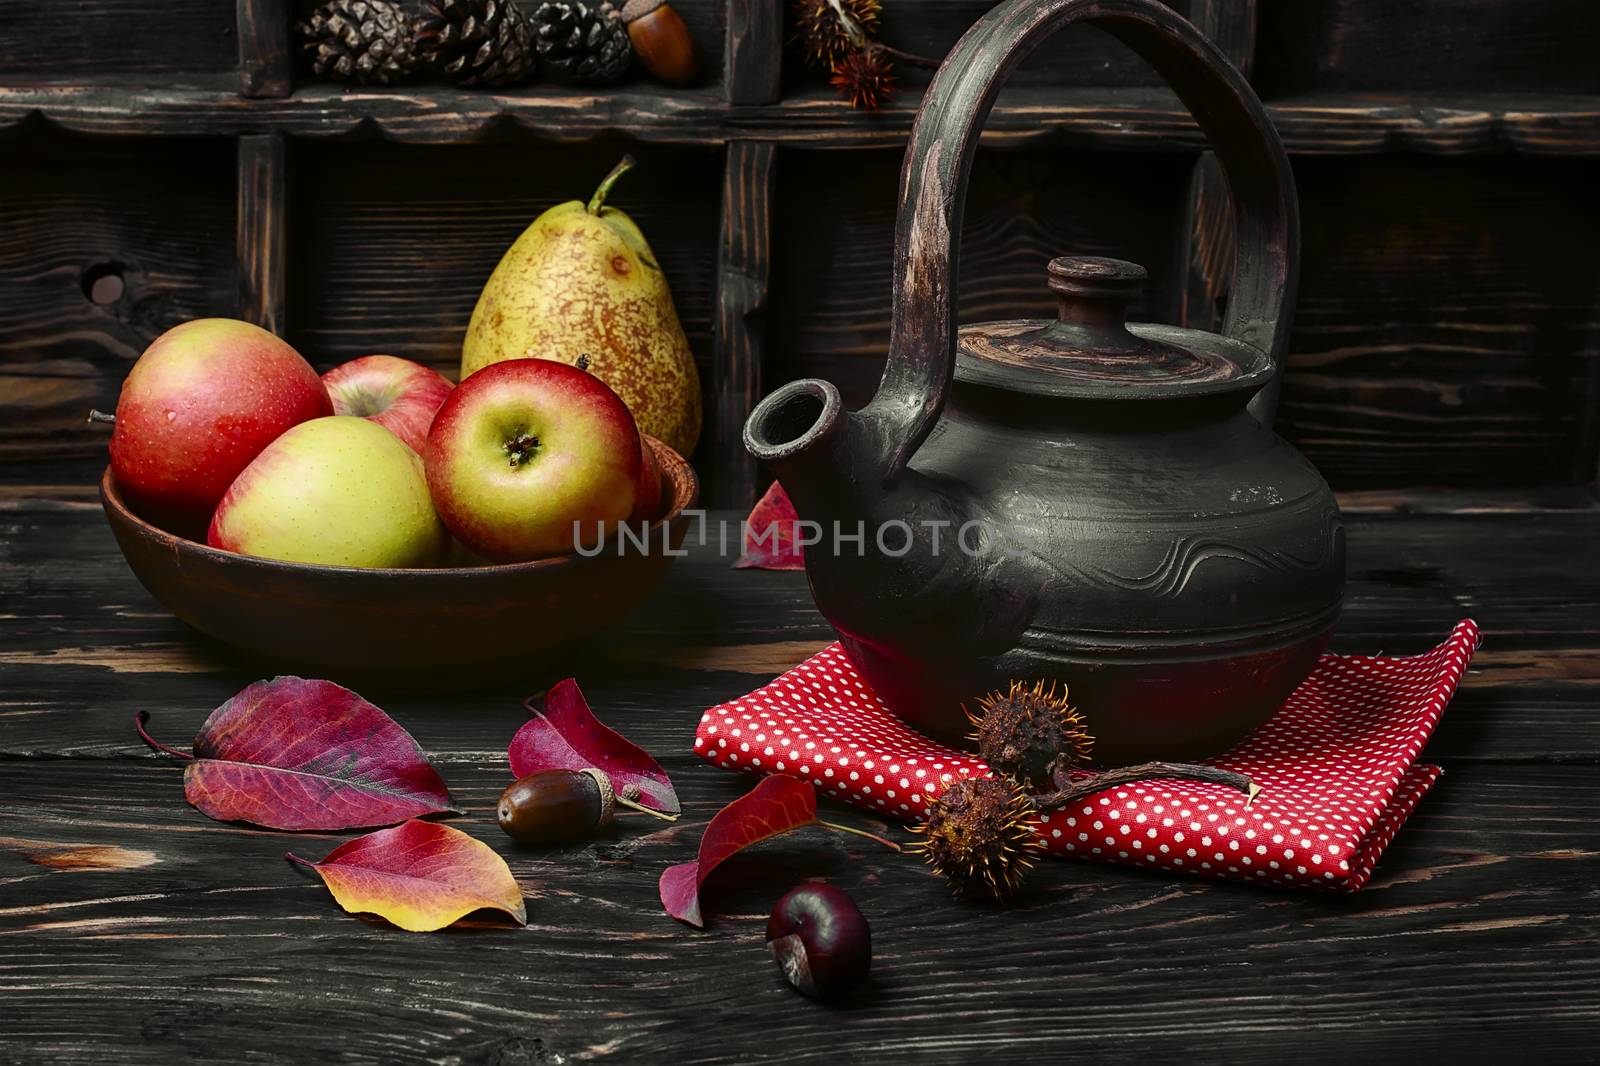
1095, 292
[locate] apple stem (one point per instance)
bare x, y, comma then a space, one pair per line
101, 416
598, 200
521, 448
138, 723
885, 841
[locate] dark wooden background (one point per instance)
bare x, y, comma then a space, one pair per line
1446, 152
162, 160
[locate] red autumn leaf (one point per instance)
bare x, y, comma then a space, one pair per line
769, 534
296, 754
421, 876
777, 805
564, 734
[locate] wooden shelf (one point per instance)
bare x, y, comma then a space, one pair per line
1126, 119
421, 115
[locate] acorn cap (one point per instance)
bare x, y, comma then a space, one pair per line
608, 795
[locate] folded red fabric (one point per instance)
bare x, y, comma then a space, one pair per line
1336, 765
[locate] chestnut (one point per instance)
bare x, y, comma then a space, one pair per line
820, 940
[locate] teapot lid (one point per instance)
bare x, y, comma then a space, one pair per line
1091, 352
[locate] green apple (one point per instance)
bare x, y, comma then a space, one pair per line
340, 491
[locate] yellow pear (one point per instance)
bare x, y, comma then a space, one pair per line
582, 281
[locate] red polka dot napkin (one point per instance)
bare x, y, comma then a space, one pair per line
1336, 765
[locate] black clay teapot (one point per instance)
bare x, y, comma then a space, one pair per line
1083, 500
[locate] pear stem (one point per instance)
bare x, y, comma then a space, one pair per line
101, 416
886, 842
598, 200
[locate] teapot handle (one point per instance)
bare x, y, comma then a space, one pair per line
938, 162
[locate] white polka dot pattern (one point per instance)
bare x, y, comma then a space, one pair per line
1337, 768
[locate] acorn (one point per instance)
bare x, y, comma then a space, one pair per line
981, 834
661, 40
820, 940
1030, 734
560, 806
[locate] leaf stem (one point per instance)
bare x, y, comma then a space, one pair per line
292, 857
885, 841
1123, 775
139, 720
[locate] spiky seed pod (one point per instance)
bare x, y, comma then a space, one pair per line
477, 42
1030, 733
864, 77
359, 41
590, 45
980, 834
828, 29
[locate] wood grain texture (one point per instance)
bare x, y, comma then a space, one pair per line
1134, 118
41, 43
1540, 46
1207, 243
834, 261
264, 42
755, 38
393, 243
81, 643
744, 266
132, 927
107, 244
262, 228
1443, 330
1082, 56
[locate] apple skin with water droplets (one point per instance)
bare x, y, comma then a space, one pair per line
202, 402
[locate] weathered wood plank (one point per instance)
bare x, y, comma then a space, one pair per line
130, 921
744, 266
265, 66
394, 242
835, 261
262, 227
1439, 342
1428, 45
1206, 247
1081, 56
754, 51
1131, 119
106, 244
42, 43
83, 648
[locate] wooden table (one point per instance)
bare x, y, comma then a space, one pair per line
133, 929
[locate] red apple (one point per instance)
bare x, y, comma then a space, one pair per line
528, 454
202, 402
647, 493
399, 395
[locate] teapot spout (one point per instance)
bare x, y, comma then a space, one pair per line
799, 432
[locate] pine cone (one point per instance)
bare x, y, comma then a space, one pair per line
477, 42
588, 45
360, 41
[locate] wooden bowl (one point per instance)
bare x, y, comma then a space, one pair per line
433, 629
